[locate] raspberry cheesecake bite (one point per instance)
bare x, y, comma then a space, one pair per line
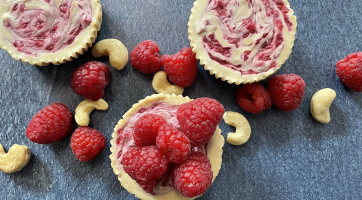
242, 41
41, 32
155, 171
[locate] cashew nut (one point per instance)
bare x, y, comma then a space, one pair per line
161, 85
16, 158
241, 124
117, 52
320, 103
85, 108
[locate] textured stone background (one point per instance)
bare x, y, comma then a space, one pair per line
289, 154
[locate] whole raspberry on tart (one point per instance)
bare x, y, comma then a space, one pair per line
174, 144
43, 32
193, 176
165, 106
146, 165
242, 41
199, 118
146, 129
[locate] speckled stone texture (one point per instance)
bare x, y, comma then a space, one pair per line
289, 154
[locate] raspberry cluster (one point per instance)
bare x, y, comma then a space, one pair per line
54, 122
162, 148
89, 81
181, 68
285, 91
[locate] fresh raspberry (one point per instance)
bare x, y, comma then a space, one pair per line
286, 91
90, 79
146, 165
253, 98
145, 57
146, 129
181, 68
193, 176
199, 118
50, 124
349, 70
86, 143
174, 144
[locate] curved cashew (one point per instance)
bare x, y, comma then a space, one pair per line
161, 85
241, 124
16, 158
320, 103
85, 108
117, 52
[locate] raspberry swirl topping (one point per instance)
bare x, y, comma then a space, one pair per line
44, 26
245, 35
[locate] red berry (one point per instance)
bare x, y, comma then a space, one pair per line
174, 144
146, 129
181, 68
90, 79
193, 176
286, 91
145, 57
349, 70
50, 124
146, 165
199, 118
86, 143
253, 98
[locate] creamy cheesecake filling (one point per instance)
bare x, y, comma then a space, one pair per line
125, 137
245, 35
43, 26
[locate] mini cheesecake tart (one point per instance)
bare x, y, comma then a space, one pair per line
166, 106
41, 32
242, 41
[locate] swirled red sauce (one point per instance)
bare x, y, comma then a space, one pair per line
245, 35
46, 26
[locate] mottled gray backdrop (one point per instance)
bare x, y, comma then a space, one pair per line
289, 154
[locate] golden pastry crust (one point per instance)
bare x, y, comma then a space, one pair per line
81, 43
213, 148
225, 73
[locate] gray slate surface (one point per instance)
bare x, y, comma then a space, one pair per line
289, 154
